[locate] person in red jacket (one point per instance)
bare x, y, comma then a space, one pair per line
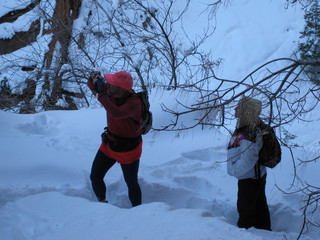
121, 142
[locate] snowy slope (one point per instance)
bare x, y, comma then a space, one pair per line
187, 194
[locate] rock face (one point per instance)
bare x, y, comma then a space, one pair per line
51, 84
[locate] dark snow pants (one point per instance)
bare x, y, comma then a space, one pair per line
252, 204
101, 166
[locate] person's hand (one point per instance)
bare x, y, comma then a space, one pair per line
94, 76
92, 80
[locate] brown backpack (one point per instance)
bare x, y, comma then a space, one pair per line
270, 153
146, 123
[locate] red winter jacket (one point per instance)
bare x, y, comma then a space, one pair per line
122, 121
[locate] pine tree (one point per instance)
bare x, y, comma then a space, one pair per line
310, 48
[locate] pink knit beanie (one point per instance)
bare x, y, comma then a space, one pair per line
120, 79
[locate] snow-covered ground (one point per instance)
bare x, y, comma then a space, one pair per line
45, 159
187, 194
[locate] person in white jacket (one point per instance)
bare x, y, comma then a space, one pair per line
242, 163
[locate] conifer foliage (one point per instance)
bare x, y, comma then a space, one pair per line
310, 48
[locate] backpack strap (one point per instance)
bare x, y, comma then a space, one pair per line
120, 144
122, 139
257, 170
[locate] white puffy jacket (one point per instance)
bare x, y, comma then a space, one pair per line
242, 157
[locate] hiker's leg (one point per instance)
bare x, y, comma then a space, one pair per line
130, 173
100, 167
246, 204
263, 214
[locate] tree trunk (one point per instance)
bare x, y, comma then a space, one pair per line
65, 13
46, 74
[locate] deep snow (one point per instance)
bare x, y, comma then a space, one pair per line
46, 159
187, 194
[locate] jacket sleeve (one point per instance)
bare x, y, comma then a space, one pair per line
90, 84
244, 159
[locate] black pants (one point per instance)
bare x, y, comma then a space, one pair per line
252, 204
101, 166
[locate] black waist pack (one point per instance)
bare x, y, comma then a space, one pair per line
120, 144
